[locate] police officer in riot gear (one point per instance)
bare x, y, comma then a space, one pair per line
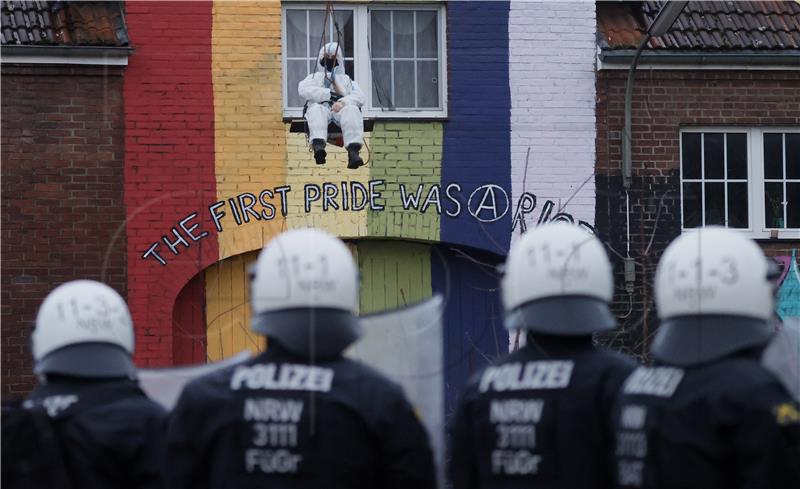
299, 415
103, 431
708, 414
535, 418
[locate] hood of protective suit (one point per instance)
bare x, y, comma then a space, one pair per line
329, 49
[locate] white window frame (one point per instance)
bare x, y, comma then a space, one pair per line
362, 62
755, 178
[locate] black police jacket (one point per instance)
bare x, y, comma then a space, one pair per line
110, 434
728, 424
278, 421
535, 419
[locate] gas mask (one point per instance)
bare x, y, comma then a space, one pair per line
329, 63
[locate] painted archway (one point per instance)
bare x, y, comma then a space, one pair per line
212, 315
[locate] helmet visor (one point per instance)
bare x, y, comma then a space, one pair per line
564, 316
691, 340
310, 332
88, 360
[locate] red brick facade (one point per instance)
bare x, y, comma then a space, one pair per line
169, 171
62, 195
664, 102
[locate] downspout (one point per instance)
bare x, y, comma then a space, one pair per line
626, 132
629, 266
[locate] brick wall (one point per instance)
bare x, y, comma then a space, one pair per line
476, 150
477, 134
407, 153
62, 185
249, 134
665, 101
552, 51
302, 170
169, 165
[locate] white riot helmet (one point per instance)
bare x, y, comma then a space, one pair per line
714, 296
84, 329
558, 281
305, 293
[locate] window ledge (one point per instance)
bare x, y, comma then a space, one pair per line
785, 235
764, 236
290, 118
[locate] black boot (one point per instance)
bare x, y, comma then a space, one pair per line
353, 159
318, 145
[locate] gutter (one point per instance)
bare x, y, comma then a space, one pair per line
66, 55
788, 58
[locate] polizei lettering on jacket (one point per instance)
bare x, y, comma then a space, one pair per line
547, 374
290, 377
654, 381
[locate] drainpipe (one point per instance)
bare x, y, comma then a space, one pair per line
663, 21
626, 132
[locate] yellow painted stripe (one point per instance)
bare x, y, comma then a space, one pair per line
303, 170
228, 308
249, 133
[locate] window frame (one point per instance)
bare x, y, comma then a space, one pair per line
303, 6
755, 178
362, 61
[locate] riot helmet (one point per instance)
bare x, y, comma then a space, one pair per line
714, 297
84, 329
558, 281
304, 293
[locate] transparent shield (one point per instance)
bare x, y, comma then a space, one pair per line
417, 332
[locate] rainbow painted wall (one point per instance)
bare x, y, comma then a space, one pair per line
206, 137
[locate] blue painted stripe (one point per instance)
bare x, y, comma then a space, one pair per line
473, 324
477, 136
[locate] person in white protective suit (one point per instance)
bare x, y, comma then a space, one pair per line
332, 96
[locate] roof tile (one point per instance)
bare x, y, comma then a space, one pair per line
715, 25
63, 23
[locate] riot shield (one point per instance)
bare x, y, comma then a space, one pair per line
782, 355
164, 385
407, 346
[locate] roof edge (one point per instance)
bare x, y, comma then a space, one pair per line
789, 58
71, 55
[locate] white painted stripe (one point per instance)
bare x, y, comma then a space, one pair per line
552, 54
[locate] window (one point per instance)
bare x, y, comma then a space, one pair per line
743, 179
395, 53
714, 170
304, 39
782, 180
405, 59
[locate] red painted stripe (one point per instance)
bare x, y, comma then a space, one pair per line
189, 323
169, 163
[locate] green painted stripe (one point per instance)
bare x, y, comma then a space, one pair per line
409, 153
393, 274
